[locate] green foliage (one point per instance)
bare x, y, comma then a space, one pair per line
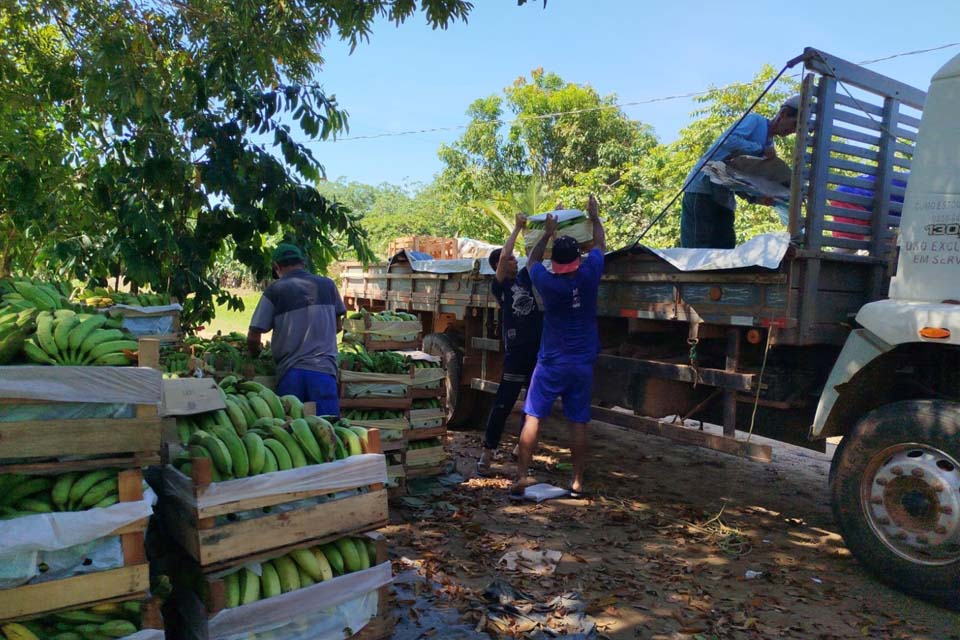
145, 138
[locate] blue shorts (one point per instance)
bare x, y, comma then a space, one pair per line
571, 383
312, 386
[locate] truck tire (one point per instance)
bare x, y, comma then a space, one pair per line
895, 489
458, 403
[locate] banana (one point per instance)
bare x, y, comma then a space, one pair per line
86, 482
287, 571
62, 328
249, 586
36, 296
98, 492
308, 563
16, 631
11, 345
112, 360
304, 437
280, 455
249, 386
60, 494
269, 581
222, 418
217, 449
269, 460
326, 571
351, 559
111, 346
305, 579
35, 506
232, 582
36, 354
28, 487
350, 440
81, 617
108, 608
238, 452
324, 434
292, 406
296, 453
363, 436
83, 329
97, 337
273, 402
236, 415
334, 558
118, 628
260, 406
361, 553
371, 550
45, 334
109, 501
244, 405
66, 635
256, 452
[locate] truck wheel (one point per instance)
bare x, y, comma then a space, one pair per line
459, 403
895, 488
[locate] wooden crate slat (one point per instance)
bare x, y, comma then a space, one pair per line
88, 436
239, 539
74, 592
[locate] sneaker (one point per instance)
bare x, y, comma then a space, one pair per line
483, 463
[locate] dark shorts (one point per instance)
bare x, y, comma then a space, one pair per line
312, 386
518, 365
573, 384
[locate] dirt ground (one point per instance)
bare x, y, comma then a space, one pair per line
675, 542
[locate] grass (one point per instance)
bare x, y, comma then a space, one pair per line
227, 320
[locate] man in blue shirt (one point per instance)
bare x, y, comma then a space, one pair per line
521, 324
569, 346
706, 219
305, 314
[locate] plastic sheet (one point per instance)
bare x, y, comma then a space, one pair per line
65, 411
582, 231
766, 250
131, 385
383, 378
64, 538
352, 472
320, 612
146, 634
150, 325
389, 429
401, 330
426, 376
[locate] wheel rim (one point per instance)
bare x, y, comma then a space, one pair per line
911, 497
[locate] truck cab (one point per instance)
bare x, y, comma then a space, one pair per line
894, 392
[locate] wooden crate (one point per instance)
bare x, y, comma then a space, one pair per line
202, 607
88, 589
439, 248
216, 545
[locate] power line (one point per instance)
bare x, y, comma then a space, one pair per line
620, 105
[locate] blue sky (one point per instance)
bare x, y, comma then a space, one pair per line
411, 77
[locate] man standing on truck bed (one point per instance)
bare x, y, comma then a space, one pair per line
521, 324
706, 219
305, 313
569, 346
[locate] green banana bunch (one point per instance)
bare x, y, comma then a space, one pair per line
22, 495
429, 443
65, 337
299, 569
99, 622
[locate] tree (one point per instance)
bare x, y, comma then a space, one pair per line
170, 129
560, 134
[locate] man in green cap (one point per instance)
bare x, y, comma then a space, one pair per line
305, 313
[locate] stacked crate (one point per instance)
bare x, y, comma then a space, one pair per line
58, 427
226, 527
426, 439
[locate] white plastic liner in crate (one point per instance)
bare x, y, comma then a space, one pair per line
66, 540
352, 472
148, 321
324, 611
397, 330
103, 385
